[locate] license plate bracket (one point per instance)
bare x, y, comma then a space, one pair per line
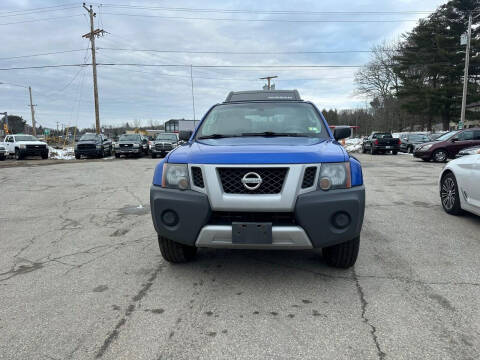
252, 233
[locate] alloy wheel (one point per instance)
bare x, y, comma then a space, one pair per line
448, 193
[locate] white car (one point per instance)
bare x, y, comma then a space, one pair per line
22, 145
460, 185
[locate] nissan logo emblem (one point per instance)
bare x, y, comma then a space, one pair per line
251, 181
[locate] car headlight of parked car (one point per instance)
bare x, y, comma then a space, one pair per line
425, 147
334, 176
175, 176
22, 146
136, 145
99, 147
117, 146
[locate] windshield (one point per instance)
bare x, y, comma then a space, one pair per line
25, 138
129, 137
446, 136
257, 119
89, 137
167, 137
382, 136
418, 137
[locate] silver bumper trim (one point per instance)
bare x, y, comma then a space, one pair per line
284, 237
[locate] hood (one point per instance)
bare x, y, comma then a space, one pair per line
259, 150
31, 142
129, 142
87, 142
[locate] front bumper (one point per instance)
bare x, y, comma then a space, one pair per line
122, 150
312, 228
88, 152
386, 147
422, 154
33, 151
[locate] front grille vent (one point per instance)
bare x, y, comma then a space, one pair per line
272, 180
228, 217
309, 177
197, 177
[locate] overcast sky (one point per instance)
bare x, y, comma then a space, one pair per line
156, 94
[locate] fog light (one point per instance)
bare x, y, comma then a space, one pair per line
341, 220
170, 218
325, 183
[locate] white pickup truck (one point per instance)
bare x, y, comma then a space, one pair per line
22, 145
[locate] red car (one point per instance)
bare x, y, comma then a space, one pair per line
448, 145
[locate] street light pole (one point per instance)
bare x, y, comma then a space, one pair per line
467, 63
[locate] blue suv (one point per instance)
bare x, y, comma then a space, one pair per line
261, 171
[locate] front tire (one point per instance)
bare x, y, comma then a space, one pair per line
45, 155
18, 155
154, 156
174, 252
372, 151
2, 157
342, 255
101, 155
440, 155
449, 195
394, 152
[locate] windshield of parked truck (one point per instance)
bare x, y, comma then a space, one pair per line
166, 137
263, 119
86, 137
447, 136
25, 138
129, 137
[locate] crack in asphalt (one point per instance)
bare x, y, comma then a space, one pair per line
373, 330
113, 335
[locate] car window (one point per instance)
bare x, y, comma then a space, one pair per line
466, 135
476, 135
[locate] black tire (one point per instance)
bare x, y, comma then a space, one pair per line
45, 155
363, 150
18, 155
2, 157
117, 155
174, 252
102, 153
343, 255
154, 156
78, 156
372, 150
439, 155
394, 152
410, 150
449, 195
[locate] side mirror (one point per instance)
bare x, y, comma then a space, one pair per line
185, 135
453, 140
342, 132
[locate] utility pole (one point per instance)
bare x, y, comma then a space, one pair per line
193, 97
91, 35
268, 78
465, 76
34, 129
57, 128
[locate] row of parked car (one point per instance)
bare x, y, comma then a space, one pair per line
439, 148
92, 145
136, 145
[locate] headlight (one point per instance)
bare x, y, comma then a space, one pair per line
76, 147
117, 146
136, 145
425, 147
99, 147
175, 176
334, 176
22, 146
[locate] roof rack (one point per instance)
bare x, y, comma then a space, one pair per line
263, 95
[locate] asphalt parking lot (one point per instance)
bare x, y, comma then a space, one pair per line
81, 276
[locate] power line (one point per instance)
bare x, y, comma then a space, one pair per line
260, 20
41, 54
38, 12
42, 19
269, 12
34, 9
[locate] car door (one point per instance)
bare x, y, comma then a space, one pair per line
460, 141
9, 144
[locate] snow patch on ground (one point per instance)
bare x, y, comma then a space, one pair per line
353, 145
61, 154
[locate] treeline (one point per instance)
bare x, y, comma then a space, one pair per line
417, 81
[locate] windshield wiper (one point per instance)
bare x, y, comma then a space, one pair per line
271, 133
216, 136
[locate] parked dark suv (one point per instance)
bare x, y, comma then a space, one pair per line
131, 144
91, 144
448, 145
410, 141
